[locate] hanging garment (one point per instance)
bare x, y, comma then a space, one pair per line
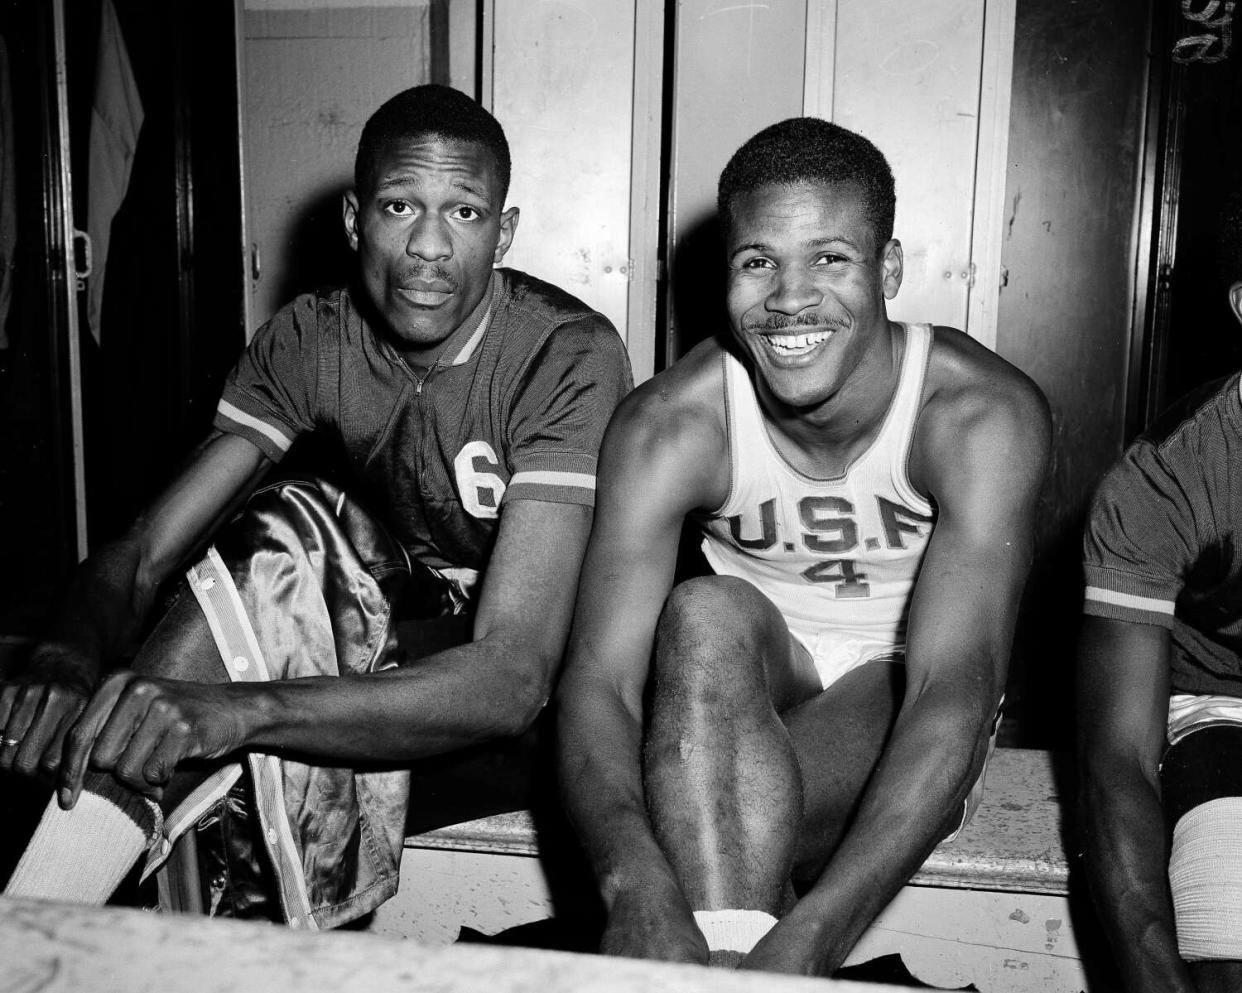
116, 119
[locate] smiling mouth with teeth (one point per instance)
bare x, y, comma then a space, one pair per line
796, 342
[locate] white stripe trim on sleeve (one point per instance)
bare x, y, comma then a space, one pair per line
277, 437
1153, 604
549, 477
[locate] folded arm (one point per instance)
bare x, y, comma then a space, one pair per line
141, 728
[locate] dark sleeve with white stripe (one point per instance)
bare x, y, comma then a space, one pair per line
269, 397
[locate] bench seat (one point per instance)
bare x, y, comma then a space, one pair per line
1013, 843
991, 907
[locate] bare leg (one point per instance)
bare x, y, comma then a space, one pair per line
722, 779
838, 737
181, 647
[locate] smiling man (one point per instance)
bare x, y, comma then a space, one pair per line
466, 404
758, 759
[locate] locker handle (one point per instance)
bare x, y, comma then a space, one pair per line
83, 271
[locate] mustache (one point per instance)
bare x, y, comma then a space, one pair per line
784, 322
428, 271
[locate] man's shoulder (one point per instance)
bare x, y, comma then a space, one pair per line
968, 385
530, 301
680, 409
536, 320
1172, 461
329, 309
1205, 408
983, 425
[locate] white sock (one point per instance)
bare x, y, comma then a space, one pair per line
731, 934
81, 855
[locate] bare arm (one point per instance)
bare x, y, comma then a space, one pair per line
984, 465
649, 479
111, 595
141, 728
493, 686
1123, 699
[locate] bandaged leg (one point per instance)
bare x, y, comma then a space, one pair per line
731, 934
1205, 875
81, 855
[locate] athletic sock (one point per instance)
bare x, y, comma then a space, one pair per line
731, 934
81, 855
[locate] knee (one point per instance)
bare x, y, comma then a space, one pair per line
714, 602
714, 620
1205, 868
182, 646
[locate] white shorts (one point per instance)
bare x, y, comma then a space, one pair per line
835, 654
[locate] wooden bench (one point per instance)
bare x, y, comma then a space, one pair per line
990, 908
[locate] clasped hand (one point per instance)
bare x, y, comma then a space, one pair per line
653, 922
139, 728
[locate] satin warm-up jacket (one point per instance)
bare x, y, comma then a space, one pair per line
301, 583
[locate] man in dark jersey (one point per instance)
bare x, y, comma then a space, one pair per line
1160, 689
467, 404
820, 709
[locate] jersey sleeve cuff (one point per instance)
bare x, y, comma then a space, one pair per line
560, 478
1123, 597
272, 438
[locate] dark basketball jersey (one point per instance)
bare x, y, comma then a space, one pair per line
1161, 545
515, 408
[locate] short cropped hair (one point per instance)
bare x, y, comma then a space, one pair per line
433, 111
807, 149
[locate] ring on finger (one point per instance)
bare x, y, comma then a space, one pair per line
9, 742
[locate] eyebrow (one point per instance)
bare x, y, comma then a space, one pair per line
394, 182
759, 246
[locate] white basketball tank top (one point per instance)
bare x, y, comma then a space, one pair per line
838, 557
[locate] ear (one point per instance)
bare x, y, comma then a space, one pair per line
349, 214
892, 263
508, 228
1235, 301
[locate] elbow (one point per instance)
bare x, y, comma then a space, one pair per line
522, 715
527, 686
958, 734
961, 717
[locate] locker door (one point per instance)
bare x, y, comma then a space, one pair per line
929, 84
577, 87
312, 72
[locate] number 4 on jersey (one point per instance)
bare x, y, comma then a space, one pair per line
850, 584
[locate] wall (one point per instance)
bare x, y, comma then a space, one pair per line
1075, 140
724, 90
928, 84
315, 70
577, 86
562, 79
